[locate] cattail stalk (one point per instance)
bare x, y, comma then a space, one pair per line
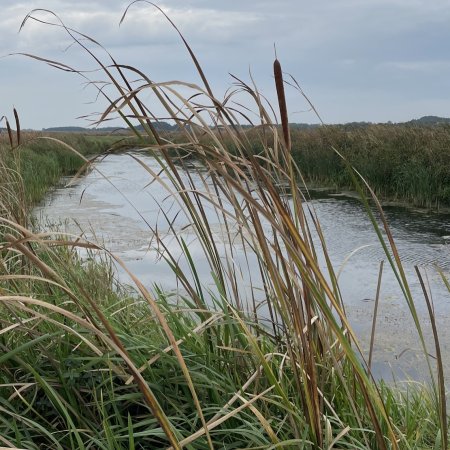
282, 103
11, 142
16, 116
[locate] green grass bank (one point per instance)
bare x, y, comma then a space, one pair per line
405, 163
64, 382
40, 161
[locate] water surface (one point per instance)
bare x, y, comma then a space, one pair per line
118, 205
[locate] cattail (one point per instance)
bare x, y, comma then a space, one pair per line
16, 116
11, 143
282, 102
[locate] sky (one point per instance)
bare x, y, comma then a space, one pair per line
356, 60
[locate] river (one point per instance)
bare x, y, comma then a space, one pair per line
117, 205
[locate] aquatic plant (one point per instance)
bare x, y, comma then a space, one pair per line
87, 364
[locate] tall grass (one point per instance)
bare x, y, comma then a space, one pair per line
400, 162
85, 364
33, 165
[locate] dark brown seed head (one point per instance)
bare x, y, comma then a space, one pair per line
16, 116
282, 102
11, 143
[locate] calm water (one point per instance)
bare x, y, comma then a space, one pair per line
124, 207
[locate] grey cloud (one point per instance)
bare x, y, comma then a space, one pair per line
351, 56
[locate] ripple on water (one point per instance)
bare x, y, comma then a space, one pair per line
122, 217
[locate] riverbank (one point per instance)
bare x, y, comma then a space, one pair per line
405, 163
39, 162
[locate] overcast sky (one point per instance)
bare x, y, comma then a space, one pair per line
357, 60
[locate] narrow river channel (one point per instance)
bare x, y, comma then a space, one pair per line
116, 203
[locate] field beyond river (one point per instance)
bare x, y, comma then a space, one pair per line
406, 163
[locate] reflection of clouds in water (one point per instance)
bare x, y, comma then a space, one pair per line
113, 218
345, 224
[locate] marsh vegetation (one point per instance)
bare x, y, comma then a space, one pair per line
89, 363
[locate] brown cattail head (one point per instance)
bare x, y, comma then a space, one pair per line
282, 102
11, 142
16, 116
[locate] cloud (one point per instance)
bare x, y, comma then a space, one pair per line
142, 26
341, 51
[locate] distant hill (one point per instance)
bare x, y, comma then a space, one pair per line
429, 120
303, 126
160, 126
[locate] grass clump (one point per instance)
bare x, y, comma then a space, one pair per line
87, 364
39, 163
400, 162
64, 386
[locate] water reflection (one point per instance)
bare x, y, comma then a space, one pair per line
123, 209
